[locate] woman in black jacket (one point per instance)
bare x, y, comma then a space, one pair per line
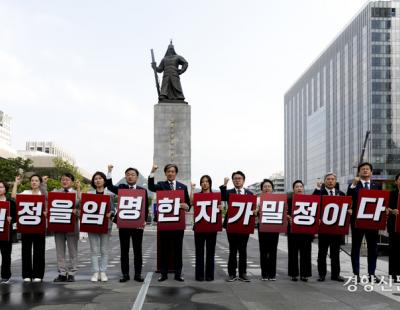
394, 237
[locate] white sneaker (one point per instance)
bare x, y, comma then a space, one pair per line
103, 277
95, 277
37, 280
26, 280
5, 281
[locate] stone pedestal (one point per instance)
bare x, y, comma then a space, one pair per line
172, 139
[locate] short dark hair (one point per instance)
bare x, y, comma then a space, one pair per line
239, 173
208, 179
364, 164
132, 169
36, 175
102, 175
5, 185
397, 176
170, 166
267, 181
68, 175
297, 181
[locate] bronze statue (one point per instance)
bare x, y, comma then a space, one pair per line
172, 65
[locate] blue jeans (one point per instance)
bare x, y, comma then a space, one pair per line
99, 251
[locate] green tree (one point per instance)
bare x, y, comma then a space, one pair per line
11, 167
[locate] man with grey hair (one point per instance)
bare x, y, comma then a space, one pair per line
326, 241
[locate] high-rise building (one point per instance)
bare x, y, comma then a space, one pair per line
48, 147
351, 88
5, 128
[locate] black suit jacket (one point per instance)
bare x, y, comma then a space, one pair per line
391, 222
225, 197
164, 186
114, 189
353, 192
324, 192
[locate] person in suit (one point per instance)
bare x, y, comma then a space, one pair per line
394, 237
6, 246
363, 180
207, 239
70, 239
126, 234
99, 243
170, 241
268, 242
298, 244
328, 241
33, 245
237, 242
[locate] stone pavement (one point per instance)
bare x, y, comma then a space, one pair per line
281, 294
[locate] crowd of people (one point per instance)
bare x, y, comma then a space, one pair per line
299, 245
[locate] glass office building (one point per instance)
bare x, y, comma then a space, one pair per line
351, 88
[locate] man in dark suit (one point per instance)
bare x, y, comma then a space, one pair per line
363, 180
170, 241
327, 241
126, 234
237, 242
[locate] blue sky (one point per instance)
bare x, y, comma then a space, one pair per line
78, 73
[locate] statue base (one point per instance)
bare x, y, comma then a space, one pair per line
172, 139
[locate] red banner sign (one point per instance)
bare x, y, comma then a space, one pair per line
94, 209
207, 216
273, 211
371, 209
241, 217
4, 224
170, 214
30, 214
335, 217
131, 208
305, 214
61, 217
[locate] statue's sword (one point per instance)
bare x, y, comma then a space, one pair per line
153, 63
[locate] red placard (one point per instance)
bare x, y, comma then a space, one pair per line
4, 224
207, 216
305, 214
371, 209
30, 214
131, 208
170, 215
335, 217
273, 211
241, 217
61, 217
94, 209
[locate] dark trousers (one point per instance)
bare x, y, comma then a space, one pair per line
299, 244
171, 244
268, 248
125, 236
209, 240
5, 248
372, 240
38, 243
237, 243
394, 254
331, 242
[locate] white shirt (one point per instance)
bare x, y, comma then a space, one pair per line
241, 191
329, 191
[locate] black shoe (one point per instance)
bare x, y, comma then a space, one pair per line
200, 279
124, 278
60, 278
294, 279
373, 278
138, 278
162, 278
358, 278
179, 278
71, 278
209, 279
338, 279
304, 279
244, 278
321, 278
231, 279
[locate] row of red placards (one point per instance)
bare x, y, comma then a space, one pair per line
310, 214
